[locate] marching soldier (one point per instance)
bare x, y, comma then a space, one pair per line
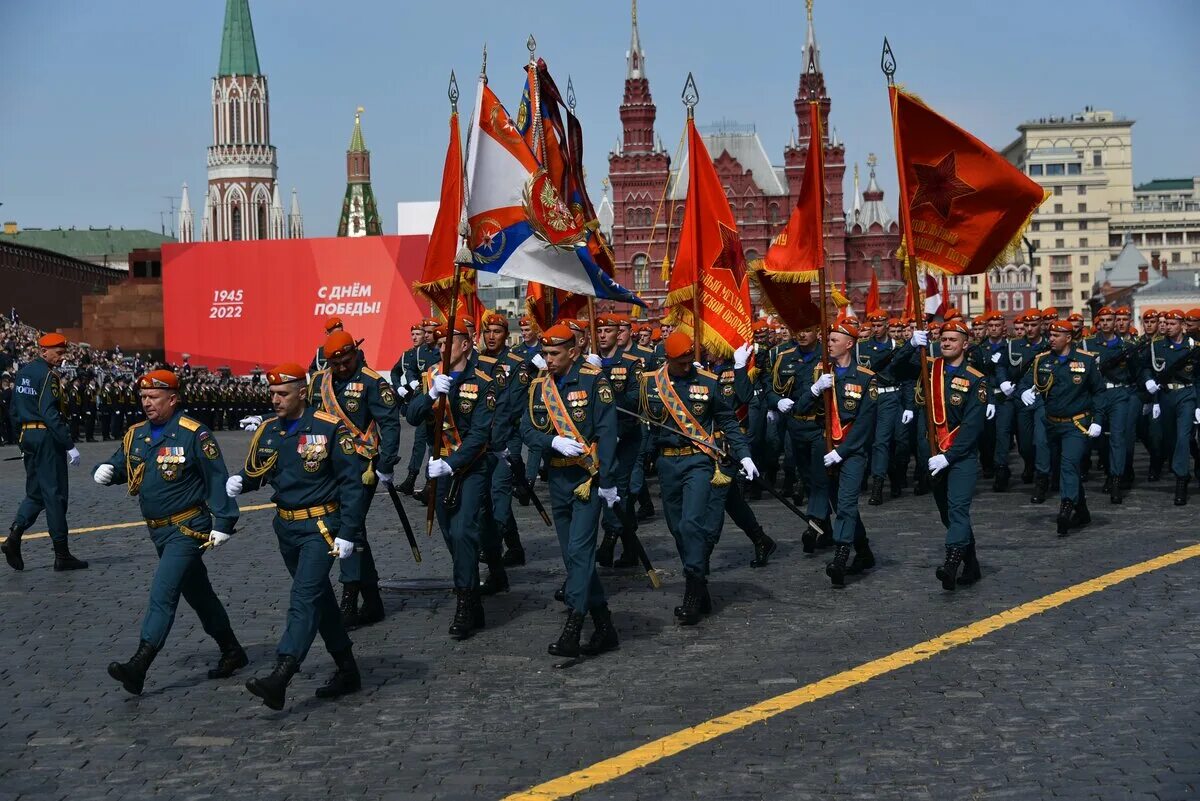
75, 407
416, 360
853, 420
1117, 405
46, 447
572, 412
689, 467
1149, 428
1031, 442
990, 357
365, 403
471, 399
309, 459
1170, 377
105, 398
1066, 380
877, 353
320, 360
89, 410
172, 464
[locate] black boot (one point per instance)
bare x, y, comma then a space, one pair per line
233, 657
863, 558
568, 642
630, 546
464, 615
1181, 491
372, 605
604, 554
409, 485
12, 548
896, 480
1127, 479
272, 689
1065, 514
1116, 489
693, 593
1003, 474
970, 563
1027, 475
876, 491
560, 594
1082, 515
948, 572
349, 605
604, 636
497, 580
764, 546
1041, 485
836, 570
645, 507
63, 560
825, 538
132, 674
345, 678
808, 539
922, 485
1108, 483
515, 555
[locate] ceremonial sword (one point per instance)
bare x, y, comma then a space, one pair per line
523, 483
408, 532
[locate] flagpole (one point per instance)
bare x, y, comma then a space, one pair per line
887, 63
691, 96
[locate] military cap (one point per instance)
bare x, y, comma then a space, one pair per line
159, 379
847, 326
877, 317
1192, 315
1104, 310
496, 318
558, 334
1150, 314
460, 327
608, 320
286, 373
52, 340
1075, 317
1173, 314
1123, 310
957, 326
1062, 327
677, 344
332, 324
338, 342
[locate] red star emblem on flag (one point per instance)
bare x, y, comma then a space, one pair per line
939, 185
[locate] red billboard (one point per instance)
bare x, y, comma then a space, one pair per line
262, 302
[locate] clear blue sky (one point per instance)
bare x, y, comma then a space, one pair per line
106, 105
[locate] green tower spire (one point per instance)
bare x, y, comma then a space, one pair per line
239, 56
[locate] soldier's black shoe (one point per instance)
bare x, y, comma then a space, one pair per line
808, 539
63, 560
233, 657
349, 604
604, 636
514, 557
970, 564
948, 572
693, 594
922, 485
1108, 483
560, 594
836, 570
825, 538
1181, 491
568, 642
1041, 485
272, 688
1116, 490
876, 498
1083, 515
409, 485
371, 610
497, 580
1065, 514
1027, 475
645, 510
1155, 473
1003, 475
345, 679
764, 546
863, 558
988, 471
896, 481
604, 554
520, 494
12, 548
132, 674
628, 557
464, 615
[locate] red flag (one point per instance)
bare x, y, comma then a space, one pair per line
873, 294
987, 294
709, 259
964, 206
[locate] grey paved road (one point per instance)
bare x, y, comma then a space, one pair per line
1095, 700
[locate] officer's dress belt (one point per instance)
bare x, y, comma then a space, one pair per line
886, 390
178, 520
1174, 387
25, 426
314, 513
1112, 385
684, 450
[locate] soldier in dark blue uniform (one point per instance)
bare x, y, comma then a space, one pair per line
529, 349
309, 459
416, 360
320, 360
990, 357
1030, 420
46, 447
172, 464
877, 353
1066, 380
470, 397
1170, 375
1117, 404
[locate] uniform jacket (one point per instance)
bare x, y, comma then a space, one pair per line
701, 391
473, 399
854, 392
1066, 383
38, 398
365, 397
591, 402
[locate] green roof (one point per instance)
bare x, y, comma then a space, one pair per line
357, 145
239, 56
96, 245
1166, 185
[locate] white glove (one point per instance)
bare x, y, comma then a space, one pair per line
906, 417
771, 416
384, 478
749, 468
414, 384
538, 361
233, 486
567, 446
252, 420
821, 384
217, 538
937, 464
610, 496
441, 385
832, 458
1007, 388
1198, 417
104, 475
403, 391
1152, 386
251, 428
73, 457
991, 411
1155, 411
343, 547
920, 339
785, 405
1094, 430
996, 358
1029, 397
594, 360
438, 468
741, 356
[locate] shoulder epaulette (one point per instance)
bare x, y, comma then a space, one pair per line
483, 357
974, 372
324, 416
367, 371
707, 373
866, 370
516, 357
589, 369
627, 356
482, 375
189, 423
786, 351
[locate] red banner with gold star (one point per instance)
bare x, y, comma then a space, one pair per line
967, 206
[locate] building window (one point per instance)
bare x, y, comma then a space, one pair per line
1083, 260
1083, 208
1036, 226
1037, 244
974, 279
235, 222
1083, 241
1084, 295
1002, 302
1037, 262
1083, 225
1137, 239
974, 296
1061, 260
1058, 207
1058, 226
1018, 301
773, 210
1175, 257
1060, 243
641, 273
1096, 162
1057, 191
1083, 278
1175, 237
262, 220
1193, 237
1056, 169
1114, 240
1035, 169
1074, 169
1154, 239
1082, 189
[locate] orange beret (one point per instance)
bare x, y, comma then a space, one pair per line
332, 323
578, 326
1103, 310
429, 322
1149, 314
1133, 330
677, 344
655, 334
608, 319
1033, 314
952, 313
956, 325
338, 342
1075, 317
524, 319
286, 373
1062, 327
53, 341
877, 317
761, 325
159, 379
848, 326
460, 327
417, 326
558, 334
895, 321
1173, 314
1123, 310
624, 320
1192, 315
497, 319
995, 315
1050, 313
978, 319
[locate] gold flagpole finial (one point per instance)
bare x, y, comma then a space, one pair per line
808, 4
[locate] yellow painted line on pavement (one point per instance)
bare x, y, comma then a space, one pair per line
672, 744
41, 535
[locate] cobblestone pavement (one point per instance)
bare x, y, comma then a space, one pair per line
1094, 700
